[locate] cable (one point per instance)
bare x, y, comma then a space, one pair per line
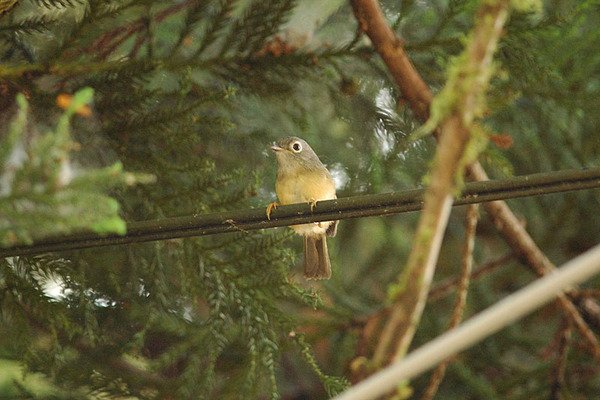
343, 208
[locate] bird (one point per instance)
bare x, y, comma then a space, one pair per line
303, 178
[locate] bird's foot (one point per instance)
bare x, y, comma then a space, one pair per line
270, 209
313, 204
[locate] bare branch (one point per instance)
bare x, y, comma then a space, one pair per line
445, 287
473, 73
111, 40
477, 328
558, 372
461, 296
372, 22
515, 235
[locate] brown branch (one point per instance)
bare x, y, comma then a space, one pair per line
473, 75
461, 296
372, 22
109, 41
512, 230
582, 294
445, 287
371, 324
587, 304
519, 240
558, 372
416, 277
415, 91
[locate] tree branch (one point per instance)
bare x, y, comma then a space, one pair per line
461, 295
477, 328
372, 22
519, 240
110, 40
509, 227
468, 85
343, 208
445, 287
558, 371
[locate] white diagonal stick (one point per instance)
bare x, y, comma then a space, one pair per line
478, 327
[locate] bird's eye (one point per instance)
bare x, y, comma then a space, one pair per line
297, 147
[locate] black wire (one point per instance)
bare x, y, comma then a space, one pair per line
344, 208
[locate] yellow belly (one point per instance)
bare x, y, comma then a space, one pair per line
304, 188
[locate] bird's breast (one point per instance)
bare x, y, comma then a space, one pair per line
305, 187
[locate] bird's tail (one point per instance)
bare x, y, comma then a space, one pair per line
316, 258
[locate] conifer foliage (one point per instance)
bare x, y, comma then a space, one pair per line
130, 110
65, 200
176, 319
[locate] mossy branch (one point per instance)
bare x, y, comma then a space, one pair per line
416, 92
463, 101
484, 324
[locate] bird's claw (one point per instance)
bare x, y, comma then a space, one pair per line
270, 209
313, 204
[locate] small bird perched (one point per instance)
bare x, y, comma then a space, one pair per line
302, 178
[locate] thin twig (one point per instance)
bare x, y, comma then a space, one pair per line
584, 293
461, 297
558, 372
587, 304
372, 21
444, 288
479, 327
517, 237
109, 41
371, 324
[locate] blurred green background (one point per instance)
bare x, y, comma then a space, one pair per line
193, 93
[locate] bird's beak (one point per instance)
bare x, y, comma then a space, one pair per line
276, 148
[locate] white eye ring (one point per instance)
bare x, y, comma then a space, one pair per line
296, 147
